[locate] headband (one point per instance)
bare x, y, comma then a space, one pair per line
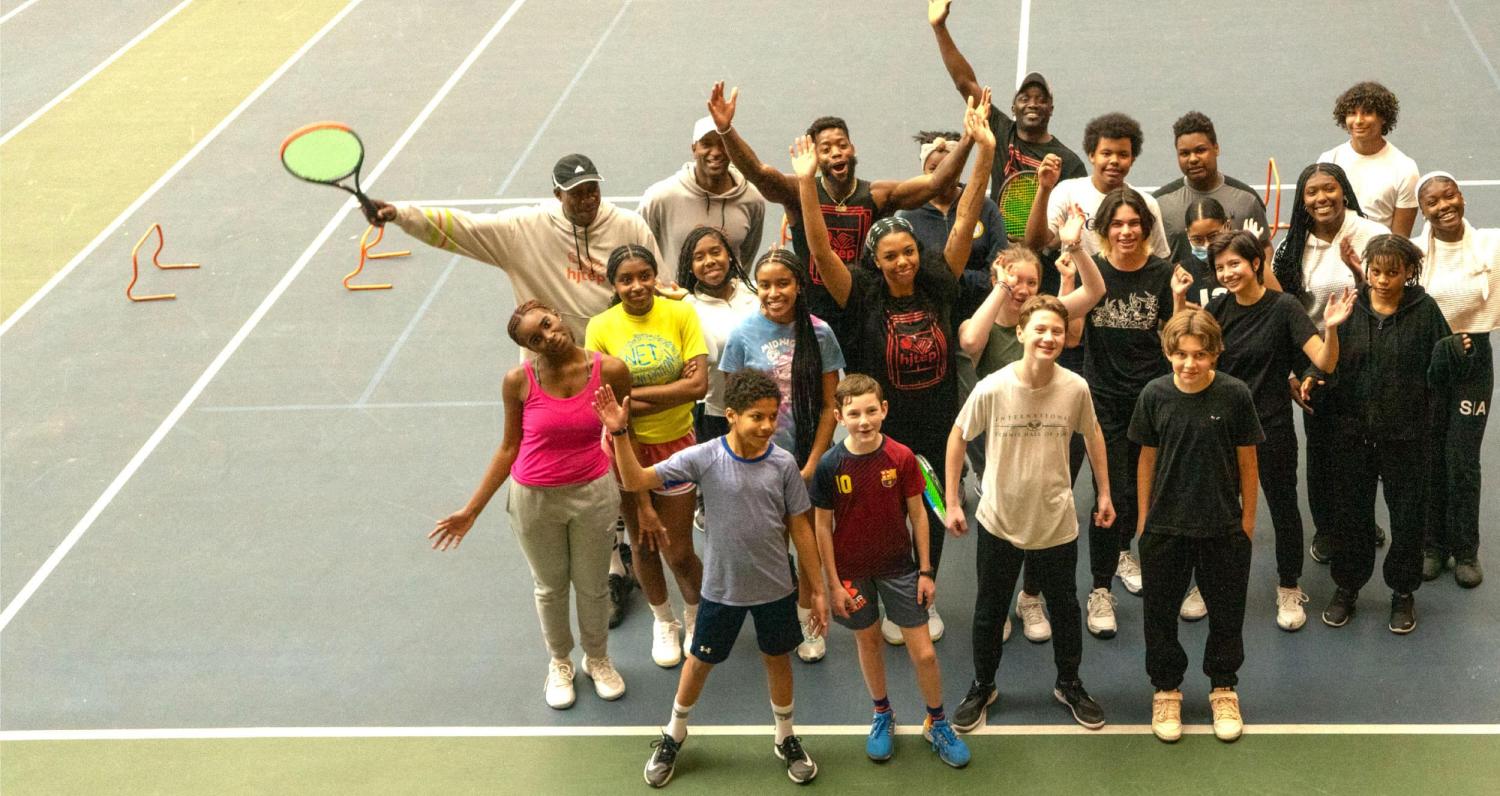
939, 144
1432, 175
883, 227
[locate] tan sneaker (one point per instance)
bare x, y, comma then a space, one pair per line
1226, 708
608, 683
1166, 715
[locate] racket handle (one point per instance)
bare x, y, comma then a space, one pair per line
372, 213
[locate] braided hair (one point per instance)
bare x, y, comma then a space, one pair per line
1287, 264
687, 280
618, 257
807, 356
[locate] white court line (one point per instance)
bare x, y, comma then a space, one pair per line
390, 356
92, 72
1473, 42
250, 323
1024, 43
166, 176
547, 122
730, 730
347, 407
18, 9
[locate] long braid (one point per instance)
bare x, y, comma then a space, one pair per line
1287, 264
807, 357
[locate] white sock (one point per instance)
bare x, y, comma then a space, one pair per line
663, 612
689, 614
616, 564
677, 726
783, 721
803, 614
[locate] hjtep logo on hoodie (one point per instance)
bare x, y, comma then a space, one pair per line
590, 272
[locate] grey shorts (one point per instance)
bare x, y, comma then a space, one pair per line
898, 595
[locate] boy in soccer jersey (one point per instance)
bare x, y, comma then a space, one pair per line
865, 490
754, 497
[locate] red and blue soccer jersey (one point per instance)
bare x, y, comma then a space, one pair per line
867, 494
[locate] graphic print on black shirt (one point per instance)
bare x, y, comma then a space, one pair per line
1121, 347
1135, 311
916, 350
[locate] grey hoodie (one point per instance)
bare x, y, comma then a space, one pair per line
674, 206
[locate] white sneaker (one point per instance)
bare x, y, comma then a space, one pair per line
1102, 613
1289, 613
666, 649
813, 647
935, 625
698, 523
608, 683
687, 640
1129, 572
891, 632
559, 691
1033, 615
1193, 607
1005, 631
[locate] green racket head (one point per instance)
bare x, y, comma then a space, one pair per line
930, 489
325, 152
1016, 196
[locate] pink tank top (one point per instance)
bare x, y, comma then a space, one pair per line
560, 437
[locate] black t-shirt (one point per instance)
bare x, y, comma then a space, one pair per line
1014, 154
847, 223
1196, 489
908, 344
1262, 344
1205, 285
1121, 342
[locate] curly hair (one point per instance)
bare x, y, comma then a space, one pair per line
1398, 249
744, 388
928, 136
1370, 96
1113, 125
1194, 122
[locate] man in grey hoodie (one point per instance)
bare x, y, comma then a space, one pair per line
707, 191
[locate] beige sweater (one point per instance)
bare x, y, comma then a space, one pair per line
546, 257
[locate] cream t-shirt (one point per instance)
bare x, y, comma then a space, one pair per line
1457, 279
1383, 182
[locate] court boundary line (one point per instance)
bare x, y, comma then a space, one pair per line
18, 9
92, 73
1474, 42
140, 201
390, 356
256, 733
1023, 45
170, 421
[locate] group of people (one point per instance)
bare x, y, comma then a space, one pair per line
1164, 338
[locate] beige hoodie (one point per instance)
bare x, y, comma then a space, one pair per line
545, 255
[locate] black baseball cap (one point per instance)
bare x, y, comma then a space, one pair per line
1034, 79
572, 171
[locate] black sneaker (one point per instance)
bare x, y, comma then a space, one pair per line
800, 768
971, 712
1321, 548
1403, 613
1340, 608
1085, 710
1432, 564
619, 597
1379, 536
1467, 572
663, 760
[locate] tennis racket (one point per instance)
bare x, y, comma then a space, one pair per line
327, 153
932, 491
1016, 196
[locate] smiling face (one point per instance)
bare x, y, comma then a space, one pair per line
1235, 273
1032, 109
862, 415
1324, 199
836, 158
1197, 158
581, 204
1443, 206
1192, 364
1364, 125
776, 287
709, 158
897, 258
1112, 159
1125, 232
710, 261
1023, 279
753, 426
635, 284
1043, 336
1387, 277
544, 332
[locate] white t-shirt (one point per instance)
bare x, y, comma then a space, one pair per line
1028, 489
1383, 182
1457, 274
1081, 191
718, 318
1323, 269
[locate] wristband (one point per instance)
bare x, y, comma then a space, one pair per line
723, 132
1069, 249
930, 574
620, 432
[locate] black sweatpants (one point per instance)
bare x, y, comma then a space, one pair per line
999, 563
1221, 566
1319, 434
935, 450
1453, 516
1105, 544
1278, 479
1360, 466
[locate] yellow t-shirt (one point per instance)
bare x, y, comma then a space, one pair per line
655, 346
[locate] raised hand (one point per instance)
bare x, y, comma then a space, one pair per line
450, 530
614, 415
977, 120
1050, 171
1253, 228
804, 156
937, 12
1338, 309
721, 108
1351, 259
1071, 231
1182, 282
384, 211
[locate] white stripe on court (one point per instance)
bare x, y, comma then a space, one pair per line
1474, 42
348, 407
166, 176
244, 332
225, 733
1023, 45
18, 9
92, 72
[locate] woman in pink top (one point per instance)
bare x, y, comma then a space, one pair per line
562, 500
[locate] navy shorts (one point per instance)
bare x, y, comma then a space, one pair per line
777, 630
897, 594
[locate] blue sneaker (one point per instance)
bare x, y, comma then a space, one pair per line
950, 748
882, 743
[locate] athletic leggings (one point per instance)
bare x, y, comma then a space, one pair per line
1361, 466
1221, 565
1321, 460
1464, 409
1105, 544
998, 563
1278, 479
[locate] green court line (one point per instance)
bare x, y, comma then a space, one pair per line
1455, 765
74, 170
